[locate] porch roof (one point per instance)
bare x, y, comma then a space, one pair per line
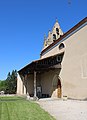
44, 64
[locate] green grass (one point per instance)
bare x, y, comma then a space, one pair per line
17, 108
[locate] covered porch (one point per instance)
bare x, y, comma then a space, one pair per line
36, 78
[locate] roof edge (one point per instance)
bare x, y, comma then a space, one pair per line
38, 61
65, 34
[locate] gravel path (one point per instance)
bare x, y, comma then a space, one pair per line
65, 110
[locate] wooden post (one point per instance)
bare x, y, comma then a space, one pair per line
35, 84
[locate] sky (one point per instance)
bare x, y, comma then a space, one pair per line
23, 24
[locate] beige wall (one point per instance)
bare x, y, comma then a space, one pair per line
74, 65
30, 84
53, 51
47, 80
25, 85
19, 85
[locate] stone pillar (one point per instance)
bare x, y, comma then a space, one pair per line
25, 89
35, 94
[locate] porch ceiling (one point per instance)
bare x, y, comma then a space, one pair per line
52, 62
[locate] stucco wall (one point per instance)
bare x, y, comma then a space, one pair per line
46, 81
43, 79
53, 51
30, 84
19, 85
74, 65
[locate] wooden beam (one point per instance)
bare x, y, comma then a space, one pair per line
58, 66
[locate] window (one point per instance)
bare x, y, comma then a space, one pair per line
57, 31
60, 35
61, 46
54, 37
59, 58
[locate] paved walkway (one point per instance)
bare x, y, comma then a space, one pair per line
65, 110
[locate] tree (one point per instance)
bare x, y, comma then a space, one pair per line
2, 85
11, 82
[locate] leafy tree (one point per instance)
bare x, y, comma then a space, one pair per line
2, 85
11, 82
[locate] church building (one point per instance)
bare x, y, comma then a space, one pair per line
61, 70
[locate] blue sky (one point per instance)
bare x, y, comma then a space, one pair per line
23, 24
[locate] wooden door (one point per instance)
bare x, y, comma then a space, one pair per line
59, 89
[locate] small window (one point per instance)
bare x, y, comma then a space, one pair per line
54, 37
57, 31
61, 46
59, 59
61, 35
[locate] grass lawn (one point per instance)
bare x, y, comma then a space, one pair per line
17, 108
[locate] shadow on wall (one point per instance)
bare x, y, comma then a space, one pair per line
56, 87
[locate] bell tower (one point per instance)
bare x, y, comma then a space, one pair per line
53, 35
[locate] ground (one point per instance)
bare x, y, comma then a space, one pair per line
65, 110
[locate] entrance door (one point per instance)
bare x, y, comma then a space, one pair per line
59, 89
